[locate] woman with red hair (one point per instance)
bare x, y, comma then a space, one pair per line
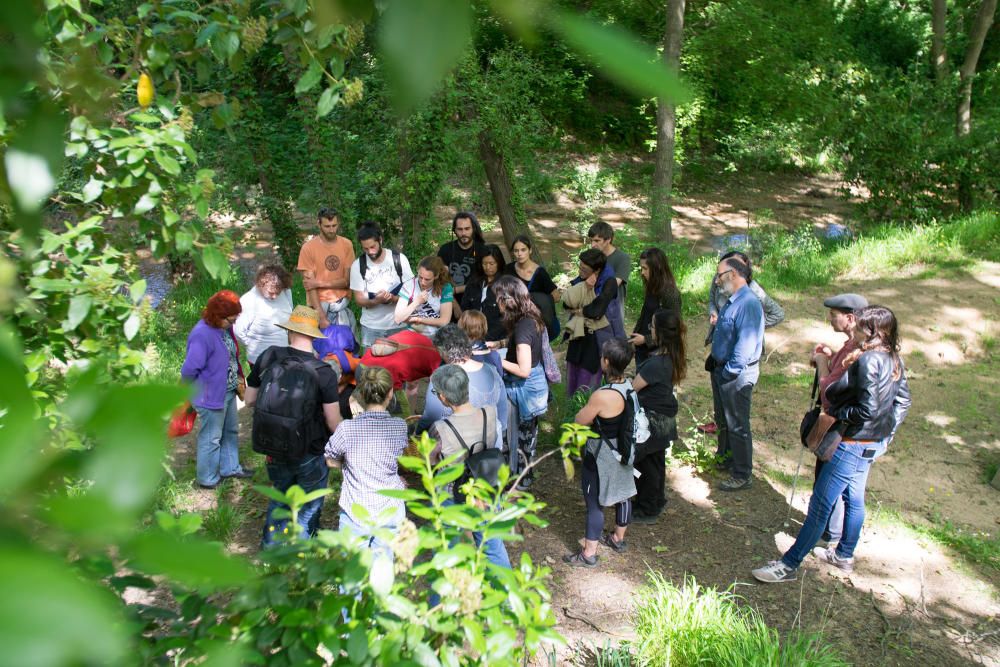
212, 363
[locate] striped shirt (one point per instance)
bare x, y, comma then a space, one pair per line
369, 447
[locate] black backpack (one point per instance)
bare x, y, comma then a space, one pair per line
483, 464
285, 421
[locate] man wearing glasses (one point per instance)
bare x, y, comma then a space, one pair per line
736, 349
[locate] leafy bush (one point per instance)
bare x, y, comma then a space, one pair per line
694, 625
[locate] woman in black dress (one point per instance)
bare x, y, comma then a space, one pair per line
540, 286
479, 292
661, 294
654, 382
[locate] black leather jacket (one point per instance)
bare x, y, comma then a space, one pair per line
868, 400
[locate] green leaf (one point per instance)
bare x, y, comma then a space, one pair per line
200, 565
145, 204
169, 164
215, 262
625, 60
19, 455
357, 645
137, 290
184, 241
131, 326
135, 155
30, 177
79, 306
309, 79
416, 54
381, 575
327, 101
92, 190
50, 616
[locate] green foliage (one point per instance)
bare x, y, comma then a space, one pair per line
694, 625
977, 547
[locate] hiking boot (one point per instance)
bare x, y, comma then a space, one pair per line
735, 484
246, 473
710, 428
774, 572
579, 560
830, 557
609, 541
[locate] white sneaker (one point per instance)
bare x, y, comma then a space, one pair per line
830, 556
774, 572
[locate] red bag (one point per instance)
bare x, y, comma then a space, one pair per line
182, 422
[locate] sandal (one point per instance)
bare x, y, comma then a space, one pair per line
609, 541
579, 560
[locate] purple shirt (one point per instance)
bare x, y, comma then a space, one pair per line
206, 364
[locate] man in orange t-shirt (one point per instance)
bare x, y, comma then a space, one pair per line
325, 264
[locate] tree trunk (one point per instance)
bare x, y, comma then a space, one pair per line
666, 125
506, 198
963, 126
939, 59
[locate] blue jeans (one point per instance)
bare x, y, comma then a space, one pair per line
494, 549
218, 442
369, 335
311, 474
845, 475
378, 546
732, 399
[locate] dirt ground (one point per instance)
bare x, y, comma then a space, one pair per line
909, 600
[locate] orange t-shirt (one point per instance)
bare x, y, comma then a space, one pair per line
328, 262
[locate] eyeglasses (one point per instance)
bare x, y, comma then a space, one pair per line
718, 276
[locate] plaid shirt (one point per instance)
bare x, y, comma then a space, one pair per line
369, 446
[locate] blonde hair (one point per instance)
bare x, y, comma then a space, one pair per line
374, 385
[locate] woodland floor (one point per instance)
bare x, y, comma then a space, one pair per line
909, 601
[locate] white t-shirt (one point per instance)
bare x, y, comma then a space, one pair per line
430, 308
257, 326
378, 277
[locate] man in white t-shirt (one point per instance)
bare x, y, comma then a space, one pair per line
376, 277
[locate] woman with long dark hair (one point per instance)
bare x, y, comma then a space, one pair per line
212, 363
543, 290
655, 379
661, 294
479, 293
524, 373
870, 401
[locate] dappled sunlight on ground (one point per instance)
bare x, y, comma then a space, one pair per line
690, 488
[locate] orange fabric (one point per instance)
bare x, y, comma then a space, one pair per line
347, 375
328, 262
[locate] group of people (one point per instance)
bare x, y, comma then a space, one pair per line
480, 328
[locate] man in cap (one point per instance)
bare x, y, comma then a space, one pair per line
830, 366
296, 408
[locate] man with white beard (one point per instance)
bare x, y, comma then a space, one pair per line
735, 366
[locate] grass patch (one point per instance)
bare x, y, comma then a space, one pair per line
977, 547
224, 521
694, 625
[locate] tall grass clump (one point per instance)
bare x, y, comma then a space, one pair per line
694, 625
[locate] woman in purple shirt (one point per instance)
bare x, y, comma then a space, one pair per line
212, 363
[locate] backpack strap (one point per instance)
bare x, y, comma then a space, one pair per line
483, 411
363, 264
397, 262
461, 441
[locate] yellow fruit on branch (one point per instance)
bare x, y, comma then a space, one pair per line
144, 91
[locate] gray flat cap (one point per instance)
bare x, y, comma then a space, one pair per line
846, 302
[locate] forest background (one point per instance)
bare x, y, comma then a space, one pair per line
400, 112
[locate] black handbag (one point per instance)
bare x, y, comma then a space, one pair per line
810, 417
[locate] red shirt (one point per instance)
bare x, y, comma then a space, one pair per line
837, 369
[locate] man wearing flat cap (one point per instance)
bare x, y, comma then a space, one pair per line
830, 366
296, 408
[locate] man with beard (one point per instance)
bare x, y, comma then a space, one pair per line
376, 277
325, 262
461, 255
736, 348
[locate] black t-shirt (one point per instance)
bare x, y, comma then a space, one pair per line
479, 296
658, 395
525, 333
461, 262
327, 384
540, 281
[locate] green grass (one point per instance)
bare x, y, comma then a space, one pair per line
976, 547
222, 522
694, 625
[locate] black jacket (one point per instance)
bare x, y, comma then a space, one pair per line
472, 299
868, 400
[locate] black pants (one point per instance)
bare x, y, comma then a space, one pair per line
732, 416
650, 498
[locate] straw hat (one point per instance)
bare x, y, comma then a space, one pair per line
305, 321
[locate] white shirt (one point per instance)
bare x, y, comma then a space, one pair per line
257, 326
379, 277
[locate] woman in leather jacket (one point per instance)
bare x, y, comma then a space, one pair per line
870, 401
